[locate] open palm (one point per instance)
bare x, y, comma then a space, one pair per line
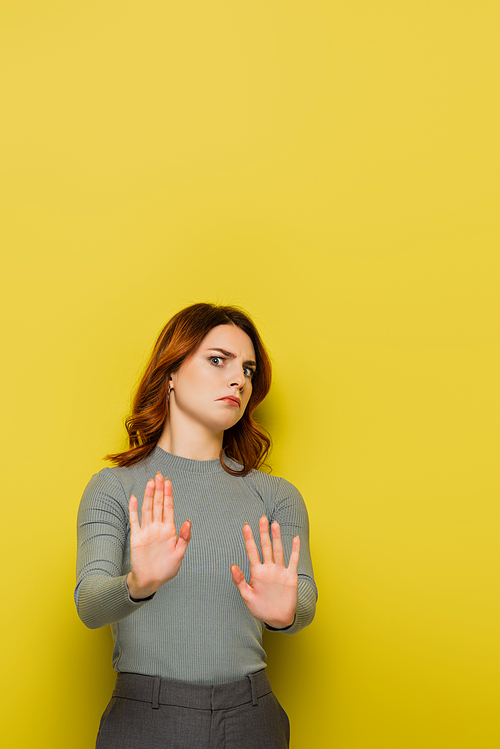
271, 595
156, 552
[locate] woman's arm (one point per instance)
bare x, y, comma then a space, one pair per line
290, 511
284, 581
102, 595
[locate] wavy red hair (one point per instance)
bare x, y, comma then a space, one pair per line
246, 442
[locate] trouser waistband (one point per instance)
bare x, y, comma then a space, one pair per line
160, 691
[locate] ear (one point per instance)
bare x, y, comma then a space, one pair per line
172, 379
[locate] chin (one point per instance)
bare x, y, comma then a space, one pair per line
229, 426
226, 424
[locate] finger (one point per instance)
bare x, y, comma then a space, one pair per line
168, 502
277, 545
185, 531
265, 541
240, 582
250, 546
294, 556
158, 499
184, 538
147, 503
132, 511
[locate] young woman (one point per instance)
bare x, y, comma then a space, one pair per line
187, 626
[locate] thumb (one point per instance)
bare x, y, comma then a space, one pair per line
184, 538
237, 574
239, 581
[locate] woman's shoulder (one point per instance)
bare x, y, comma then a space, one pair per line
112, 482
282, 500
273, 487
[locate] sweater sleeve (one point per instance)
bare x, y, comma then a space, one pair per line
290, 511
101, 593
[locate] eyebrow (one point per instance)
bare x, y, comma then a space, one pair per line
232, 356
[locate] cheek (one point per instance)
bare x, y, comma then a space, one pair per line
195, 378
248, 395
198, 389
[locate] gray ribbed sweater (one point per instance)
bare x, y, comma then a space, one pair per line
196, 628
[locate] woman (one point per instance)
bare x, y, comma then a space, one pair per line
186, 625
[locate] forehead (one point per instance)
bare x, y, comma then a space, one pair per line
231, 338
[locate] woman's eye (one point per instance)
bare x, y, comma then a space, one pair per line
219, 361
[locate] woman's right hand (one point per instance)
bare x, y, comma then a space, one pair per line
156, 552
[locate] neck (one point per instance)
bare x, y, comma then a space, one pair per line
190, 440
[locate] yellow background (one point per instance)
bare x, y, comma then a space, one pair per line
333, 167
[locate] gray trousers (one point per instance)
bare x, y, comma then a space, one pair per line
146, 712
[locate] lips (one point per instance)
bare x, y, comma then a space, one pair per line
231, 399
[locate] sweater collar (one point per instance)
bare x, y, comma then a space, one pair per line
176, 462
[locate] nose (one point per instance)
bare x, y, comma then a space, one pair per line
237, 379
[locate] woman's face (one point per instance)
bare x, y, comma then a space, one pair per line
213, 386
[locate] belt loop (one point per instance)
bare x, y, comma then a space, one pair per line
254, 693
156, 693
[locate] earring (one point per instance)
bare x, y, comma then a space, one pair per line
168, 392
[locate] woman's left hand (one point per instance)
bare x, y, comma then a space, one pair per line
271, 595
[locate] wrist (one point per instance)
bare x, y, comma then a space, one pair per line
279, 625
138, 592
